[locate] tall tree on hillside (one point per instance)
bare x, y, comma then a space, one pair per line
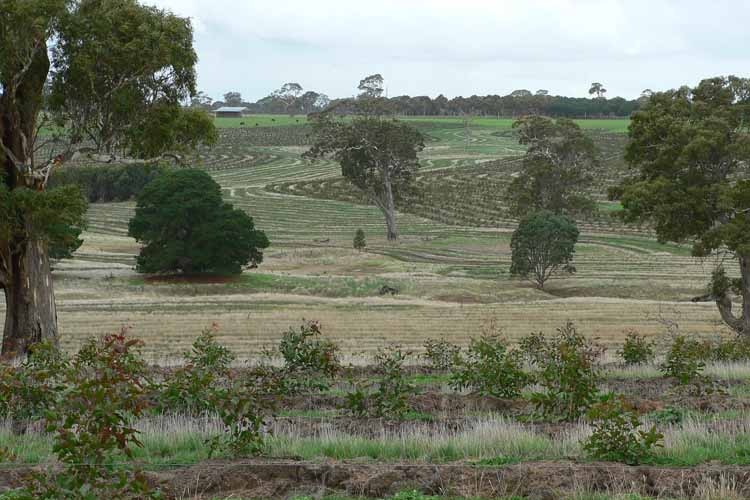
370, 100
288, 94
201, 100
378, 156
690, 150
371, 86
520, 93
233, 98
118, 68
598, 89
556, 170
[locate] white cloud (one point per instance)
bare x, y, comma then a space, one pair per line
464, 46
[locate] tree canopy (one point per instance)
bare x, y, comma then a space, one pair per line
556, 170
112, 75
378, 156
543, 244
689, 149
185, 226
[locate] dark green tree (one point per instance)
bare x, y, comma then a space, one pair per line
543, 244
378, 156
690, 149
114, 64
598, 89
185, 226
557, 169
359, 240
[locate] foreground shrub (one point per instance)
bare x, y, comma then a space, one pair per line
306, 354
567, 368
734, 350
105, 388
490, 369
440, 354
190, 388
636, 350
388, 396
684, 360
26, 392
617, 436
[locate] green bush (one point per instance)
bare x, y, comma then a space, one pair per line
734, 350
636, 350
26, 392
490, 369
617, 436
105, 183
684, 360
388, 395
567, 368
185, 226
391, 399
359, 243
190, 388
105, 387
306, 354
440, 354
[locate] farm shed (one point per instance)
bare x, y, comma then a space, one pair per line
230, 112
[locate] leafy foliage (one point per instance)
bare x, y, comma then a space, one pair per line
441, 354
490, 369
617, 436
376, 155
185, 226
567, 368
684, 360
556, 170
105, 388
636, 350
190, 388
543, 244
306, 355
388, 395
360, 243
104, 183
121, 70
689, 150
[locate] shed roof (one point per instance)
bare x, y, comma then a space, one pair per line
230, 109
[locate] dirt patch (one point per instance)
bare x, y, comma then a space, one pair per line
532, 480
538, 480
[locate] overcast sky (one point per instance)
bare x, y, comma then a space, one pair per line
465, 47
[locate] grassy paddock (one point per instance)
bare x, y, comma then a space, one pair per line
619, 125
492, 440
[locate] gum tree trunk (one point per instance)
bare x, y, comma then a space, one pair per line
31, 315
25, 275
740, 324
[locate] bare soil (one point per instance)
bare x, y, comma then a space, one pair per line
534, 480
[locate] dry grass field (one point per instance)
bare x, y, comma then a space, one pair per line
452, 277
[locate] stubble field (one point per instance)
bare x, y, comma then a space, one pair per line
450, 265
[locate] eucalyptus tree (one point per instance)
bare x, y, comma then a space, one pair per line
689, 151
112, 74
377, 155
556, 171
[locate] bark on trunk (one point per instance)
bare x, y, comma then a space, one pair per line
740, 324
30, 315
389, 210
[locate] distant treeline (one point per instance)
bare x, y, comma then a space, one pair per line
103, 183
518, 103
